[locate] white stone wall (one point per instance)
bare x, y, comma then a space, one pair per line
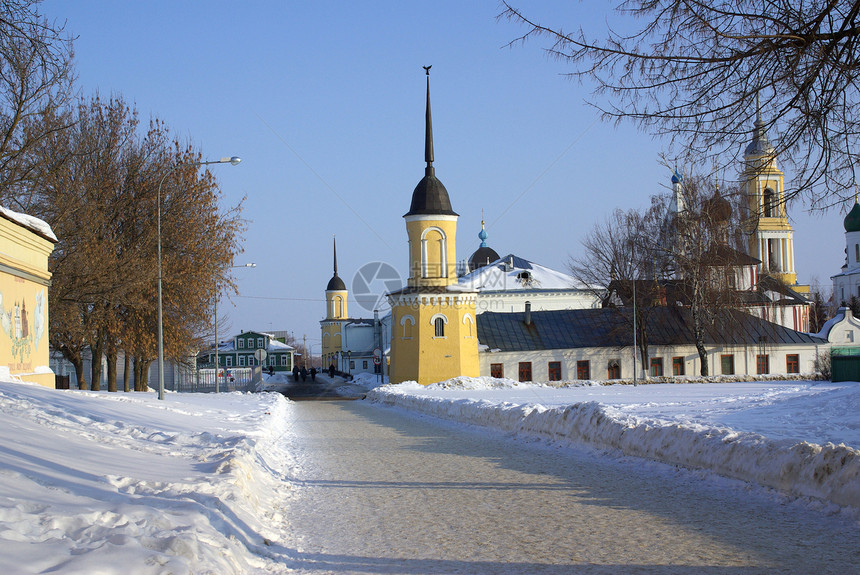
744, 360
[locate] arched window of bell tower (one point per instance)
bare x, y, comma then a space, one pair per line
336, 306
768, 201
434, 253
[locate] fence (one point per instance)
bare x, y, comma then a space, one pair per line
231, 379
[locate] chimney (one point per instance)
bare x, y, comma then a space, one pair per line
528, 319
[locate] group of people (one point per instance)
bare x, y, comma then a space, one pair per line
303, 373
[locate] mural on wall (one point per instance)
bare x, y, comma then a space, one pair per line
24, 325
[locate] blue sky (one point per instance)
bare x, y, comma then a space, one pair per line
324, 103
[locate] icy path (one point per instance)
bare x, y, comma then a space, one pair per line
383, 492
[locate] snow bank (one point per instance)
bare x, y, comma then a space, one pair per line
124, 483
829, 472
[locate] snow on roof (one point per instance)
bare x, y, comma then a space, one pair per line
30, 222
515, 273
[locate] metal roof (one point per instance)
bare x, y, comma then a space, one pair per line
612, 327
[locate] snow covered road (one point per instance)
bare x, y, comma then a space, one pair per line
382, 492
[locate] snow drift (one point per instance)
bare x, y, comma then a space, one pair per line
826, 472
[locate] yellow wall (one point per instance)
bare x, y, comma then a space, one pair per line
424, 357
426, 267
24, 281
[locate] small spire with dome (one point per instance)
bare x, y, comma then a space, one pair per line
335, 283
484, 255
482, 235
852, 220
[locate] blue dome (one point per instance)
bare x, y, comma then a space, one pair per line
676, 178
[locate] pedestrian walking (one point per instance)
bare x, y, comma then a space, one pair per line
313, 374
304, 374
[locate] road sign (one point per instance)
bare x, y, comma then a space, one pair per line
260, 354
377, 356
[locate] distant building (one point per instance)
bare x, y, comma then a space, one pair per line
846, 284
240, 351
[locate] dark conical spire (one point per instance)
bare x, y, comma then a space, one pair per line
428, 129
429, 196
335, 283
334, 241
759, 145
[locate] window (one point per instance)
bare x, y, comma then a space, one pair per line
727, 363
364, 364
849, 336
583, 369
677, 366
229, 359
554, 371
525, 371
241, 361
792, 363
762, 364
468, 322
497, 370
407, 322
259, 342
284, 361
439, 325
768, 203
613, 370
241, 343
351, 364
656, 366
857, 252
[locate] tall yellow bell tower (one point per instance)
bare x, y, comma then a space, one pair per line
771, 237
335, 318
433, 331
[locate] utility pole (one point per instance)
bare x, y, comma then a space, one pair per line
305, 351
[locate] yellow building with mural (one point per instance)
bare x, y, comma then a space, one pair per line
336, 317
433, 331
771, 237
25, 245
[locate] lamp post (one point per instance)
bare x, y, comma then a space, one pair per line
217, 296
233, 160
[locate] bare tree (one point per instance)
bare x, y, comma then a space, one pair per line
699, 237
618, 267
693, 70
36, 78
100, 198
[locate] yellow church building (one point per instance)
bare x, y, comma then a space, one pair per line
433, 331
771, 237
25, 245
336, 317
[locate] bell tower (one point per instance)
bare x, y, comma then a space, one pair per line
771, 237
336, 316
433, 331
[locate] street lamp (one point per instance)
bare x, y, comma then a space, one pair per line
233, 160
217, 294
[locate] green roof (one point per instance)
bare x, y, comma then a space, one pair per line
852, 220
